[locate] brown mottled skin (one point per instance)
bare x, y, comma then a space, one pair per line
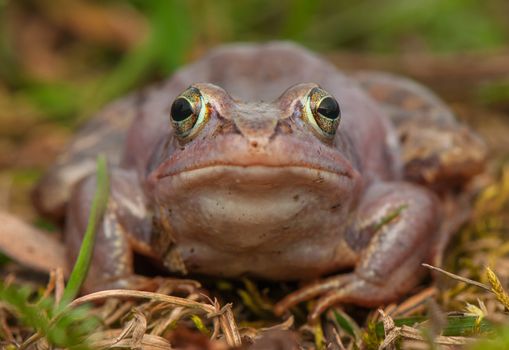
258, 189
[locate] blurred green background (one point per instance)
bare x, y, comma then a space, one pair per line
65, 58
61, 60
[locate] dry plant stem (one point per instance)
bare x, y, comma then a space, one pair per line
56, 283
495, 288
121, 311
59, 285
108, 339
284, 326
459, 278
412, 305
136, 328
216, 329
122, 293
228, 325
176, 314
31, 340
225, 314
337, 339
51, 284
392, 332
408, 332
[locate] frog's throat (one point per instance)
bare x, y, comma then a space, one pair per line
235, 208
273, 193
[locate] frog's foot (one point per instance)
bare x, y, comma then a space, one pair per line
348, 288
311, 291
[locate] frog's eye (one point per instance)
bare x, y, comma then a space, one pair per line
188, 113
322, 112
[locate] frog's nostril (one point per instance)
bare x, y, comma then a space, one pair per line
257, 144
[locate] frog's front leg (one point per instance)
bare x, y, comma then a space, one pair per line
125, 228
394, 232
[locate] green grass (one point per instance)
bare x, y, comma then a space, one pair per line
67, 330
47, 319
99, 204
499, 340
456, 326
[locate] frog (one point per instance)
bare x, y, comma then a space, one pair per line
266, 160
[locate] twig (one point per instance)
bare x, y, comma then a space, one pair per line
31, 340
408, 332
229, 326
122, 293
459, 278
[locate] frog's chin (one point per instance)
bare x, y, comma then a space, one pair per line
251, 206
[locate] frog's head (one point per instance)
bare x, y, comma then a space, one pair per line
243, 171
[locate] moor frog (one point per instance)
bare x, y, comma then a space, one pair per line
267, 161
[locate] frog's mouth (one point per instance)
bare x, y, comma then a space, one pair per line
307, 158
254, 180
259, 177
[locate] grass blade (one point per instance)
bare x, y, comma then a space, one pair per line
456, 325
99, 204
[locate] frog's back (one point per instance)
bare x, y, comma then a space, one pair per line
436, 149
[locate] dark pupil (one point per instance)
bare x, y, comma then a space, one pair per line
181, 109
329, 108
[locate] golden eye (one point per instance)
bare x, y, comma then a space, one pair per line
323, 112
188, 113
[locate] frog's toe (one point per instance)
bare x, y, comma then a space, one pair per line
360, 292
342, 289
311, 291
357, 291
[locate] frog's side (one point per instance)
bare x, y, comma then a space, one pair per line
262, 188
